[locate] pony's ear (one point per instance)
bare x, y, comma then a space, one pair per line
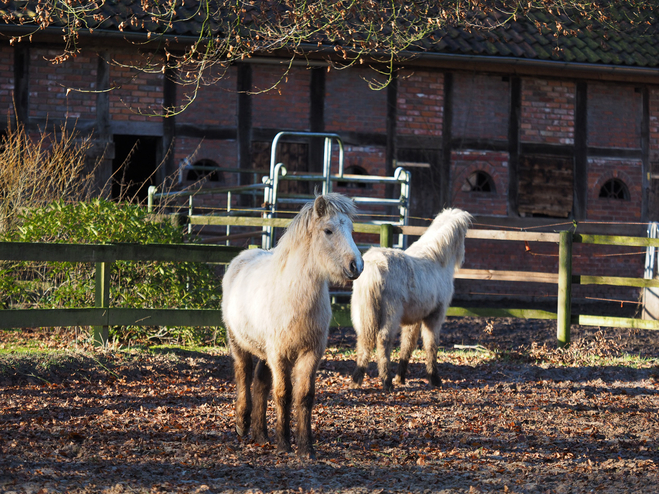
320, 206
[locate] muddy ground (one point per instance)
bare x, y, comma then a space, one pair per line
512, 416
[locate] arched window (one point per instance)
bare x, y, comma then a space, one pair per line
479, 181
354, 170
204, 169
614, 189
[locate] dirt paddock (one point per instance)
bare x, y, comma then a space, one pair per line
511, 417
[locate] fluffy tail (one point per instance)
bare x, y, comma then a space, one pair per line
444, 239
366, 304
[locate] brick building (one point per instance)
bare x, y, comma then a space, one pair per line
523, 128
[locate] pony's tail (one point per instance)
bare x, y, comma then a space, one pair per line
444, 240
366, 304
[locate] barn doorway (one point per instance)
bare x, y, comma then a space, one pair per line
134, 167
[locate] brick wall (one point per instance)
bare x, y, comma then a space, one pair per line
62, 91
287, 106
615, 112
547, 114
6, 81
420, 103
481, 105
495, 164
628, 171
350, 105
215, 104
138, 96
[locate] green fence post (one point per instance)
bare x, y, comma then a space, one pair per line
102, 293
386, 235
564, 309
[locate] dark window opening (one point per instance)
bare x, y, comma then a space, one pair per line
133, 167
479, 181
354, 170
204, 169
615, 189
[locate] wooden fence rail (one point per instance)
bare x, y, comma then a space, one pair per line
103, 315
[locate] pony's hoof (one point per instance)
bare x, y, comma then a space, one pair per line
399, 380
387, 386
261, 439
284, 448
355, 385
435, 382
240, 431
306, 454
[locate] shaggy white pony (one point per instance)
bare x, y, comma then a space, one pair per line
408, 292
276, 307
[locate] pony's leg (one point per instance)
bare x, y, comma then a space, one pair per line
305, 391
365, 343
260, 391
409, 337
242, 367
282, 390
384, 344
430, 334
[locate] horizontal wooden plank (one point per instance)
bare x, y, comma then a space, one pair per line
512, 235
615, 322
239, 221
41, 318
489, 312
341, 314
366, 228
490, 274
22, 251
616, 240
614, 280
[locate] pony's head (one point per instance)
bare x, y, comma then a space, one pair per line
324, 229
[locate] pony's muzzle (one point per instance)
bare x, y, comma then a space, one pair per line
354, 269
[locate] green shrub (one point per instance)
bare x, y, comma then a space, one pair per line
133, 284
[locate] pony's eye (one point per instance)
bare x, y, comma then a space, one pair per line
328, 231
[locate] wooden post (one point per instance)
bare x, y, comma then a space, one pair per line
102, 293
386, 235
564, 309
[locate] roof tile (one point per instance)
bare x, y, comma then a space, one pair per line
627, 37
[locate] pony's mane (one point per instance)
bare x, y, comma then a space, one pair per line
298, 230
443, 241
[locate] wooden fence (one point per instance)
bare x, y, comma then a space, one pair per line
103, 315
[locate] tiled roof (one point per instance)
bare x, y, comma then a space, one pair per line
627, 37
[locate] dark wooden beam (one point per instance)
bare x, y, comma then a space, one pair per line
581, 152
447, 137
543, 148
317, 117
103, 95
479, 144
214, 132
392, 126
514, 119
21, 83
626, 154
244, 131
169, 126
418, 142
645, 148
103, 173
